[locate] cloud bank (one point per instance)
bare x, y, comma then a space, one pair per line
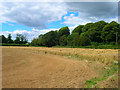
37, 14
32, 14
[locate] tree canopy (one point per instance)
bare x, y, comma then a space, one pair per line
64, 31
9, 39
50, 38
20, 39
78, 29
82, 35
3, 39
109, 32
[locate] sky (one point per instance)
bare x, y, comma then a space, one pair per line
34, 18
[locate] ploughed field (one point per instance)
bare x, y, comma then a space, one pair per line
40, 67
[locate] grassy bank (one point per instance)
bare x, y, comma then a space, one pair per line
108, 74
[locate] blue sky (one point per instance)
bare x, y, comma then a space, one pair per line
33, 19
12, 26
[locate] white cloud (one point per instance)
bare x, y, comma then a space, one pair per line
32, 14
75, 20
72, 20
113, 19
94, 18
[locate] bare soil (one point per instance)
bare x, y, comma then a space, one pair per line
31, 68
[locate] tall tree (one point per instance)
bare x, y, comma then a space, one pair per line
63, 40
94, 35
64, 31
35, 42
109, 32
78, 29
9, 39
50, 39
17, 40
100, 25
3, 39
40, 40
87, 26
73, 39
84, 41
94, 30
20, 39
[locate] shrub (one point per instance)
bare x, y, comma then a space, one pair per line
112, 43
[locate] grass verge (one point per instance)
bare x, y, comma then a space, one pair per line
105, 74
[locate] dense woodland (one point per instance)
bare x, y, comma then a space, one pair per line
98, 33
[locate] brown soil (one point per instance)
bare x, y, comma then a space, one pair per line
30, 68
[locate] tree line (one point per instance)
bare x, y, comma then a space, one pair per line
20, 39
98, 33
